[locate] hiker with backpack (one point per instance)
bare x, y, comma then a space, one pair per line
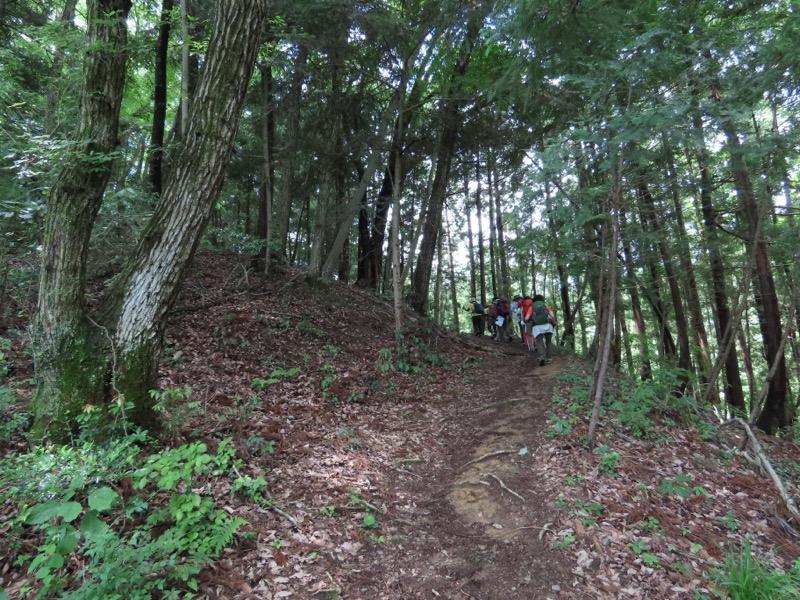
526, 308
544, 320
476, 310
516, 310
491, 317
502, 321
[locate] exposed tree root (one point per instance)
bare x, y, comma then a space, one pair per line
497, 404
489, 455
505, 487
764, 463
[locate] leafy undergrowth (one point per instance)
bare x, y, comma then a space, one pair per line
666, 506
319, 403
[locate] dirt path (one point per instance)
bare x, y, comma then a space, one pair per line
475, 519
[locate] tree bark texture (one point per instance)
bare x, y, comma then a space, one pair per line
151, 281
67, 368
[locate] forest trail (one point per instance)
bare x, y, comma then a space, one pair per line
483, 517
449, 467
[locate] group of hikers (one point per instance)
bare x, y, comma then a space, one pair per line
534, 318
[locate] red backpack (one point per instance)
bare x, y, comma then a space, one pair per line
527, 309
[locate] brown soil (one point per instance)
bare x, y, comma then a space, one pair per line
457, 531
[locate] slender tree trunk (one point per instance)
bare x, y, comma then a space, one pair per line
568, 336
155, 158
70, 374
681, 323
497, 290
65, 21
264, 226
397, 268
652, 293
437, 288
501, 244
473, 284
479, 214
625, 334
185, 51
744, 350
734, 394
601, 364
451, 265
645, 369
775, 414
287, 160
697, 324
451, 122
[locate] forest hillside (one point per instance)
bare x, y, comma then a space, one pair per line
305, 454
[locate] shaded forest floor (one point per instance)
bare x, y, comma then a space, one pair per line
454, 468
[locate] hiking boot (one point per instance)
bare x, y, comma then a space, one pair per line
541, 361
548, 361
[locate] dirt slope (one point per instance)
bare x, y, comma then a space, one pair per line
364, 435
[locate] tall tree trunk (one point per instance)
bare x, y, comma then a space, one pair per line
479, 214
287, 160
450, 126
652, 293
473, 284
645, 368
437, 288
744, 349
267, 190
494, 194
682, 326
397, 267
451, 265
185, 51
155, 157
65, 21
607, 325
494, 267
568, 336
702, 357
734, 395
776, 413
150, 283
68, 370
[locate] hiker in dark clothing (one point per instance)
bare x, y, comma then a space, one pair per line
503, 320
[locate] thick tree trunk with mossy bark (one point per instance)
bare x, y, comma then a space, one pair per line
69, 370
72, 366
